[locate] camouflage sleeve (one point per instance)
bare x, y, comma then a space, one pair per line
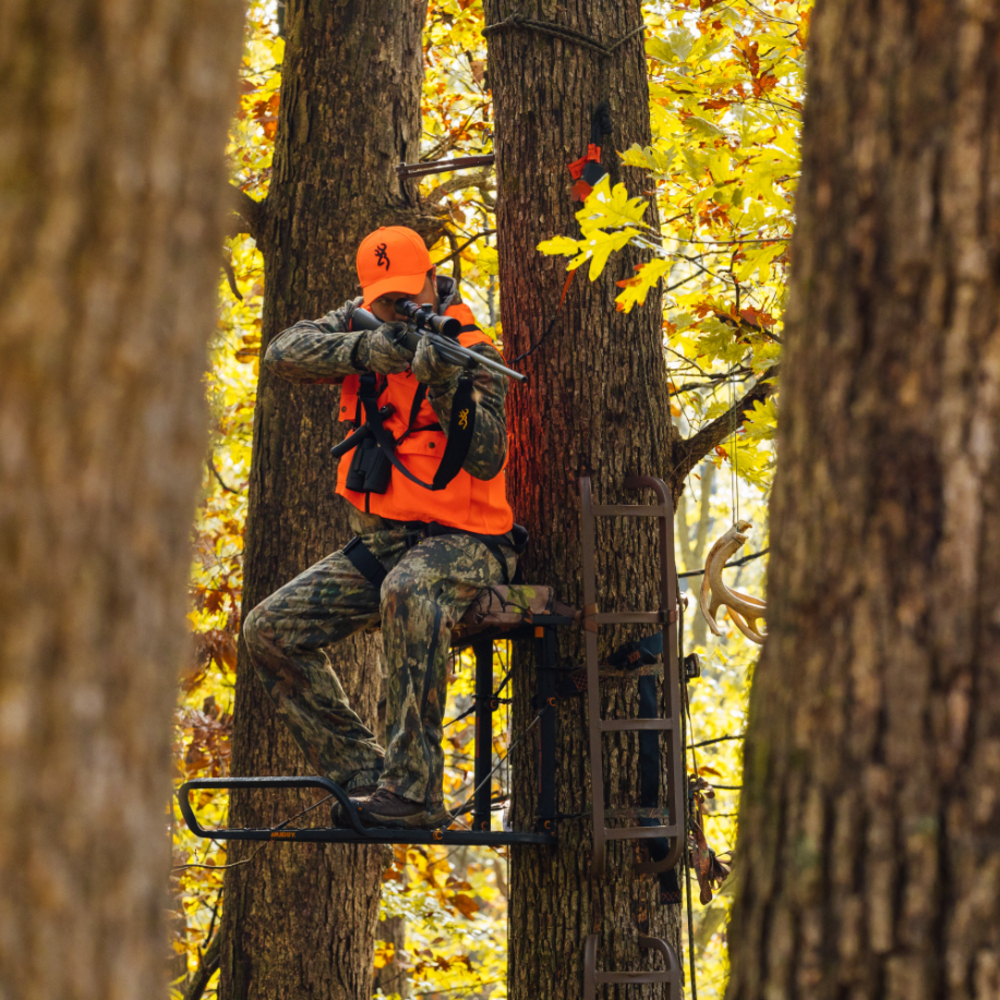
489, 433
321, 350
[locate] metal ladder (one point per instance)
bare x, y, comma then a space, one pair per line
666, 616
592, 978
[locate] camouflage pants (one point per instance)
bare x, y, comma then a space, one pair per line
428, 589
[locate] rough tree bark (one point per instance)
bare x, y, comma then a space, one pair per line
300, 920
111, 167
596, 404
868, 824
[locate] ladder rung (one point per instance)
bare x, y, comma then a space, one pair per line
619, 978
627, 725
629, 618
640, 832
631, 510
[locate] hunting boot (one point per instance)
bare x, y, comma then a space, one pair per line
337, 810
385, 808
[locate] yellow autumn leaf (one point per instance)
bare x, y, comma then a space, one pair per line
488, 260
610, 209
637, 289
560, 245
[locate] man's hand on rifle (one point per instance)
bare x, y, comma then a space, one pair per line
378, 353
430, 368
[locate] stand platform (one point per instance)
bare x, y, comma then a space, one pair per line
500, 613
355, 833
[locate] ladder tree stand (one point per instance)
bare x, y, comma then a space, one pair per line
527, 612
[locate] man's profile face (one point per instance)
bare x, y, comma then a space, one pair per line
384, 307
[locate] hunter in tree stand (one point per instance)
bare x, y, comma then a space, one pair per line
433, 529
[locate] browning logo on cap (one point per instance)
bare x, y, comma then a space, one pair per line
382, 256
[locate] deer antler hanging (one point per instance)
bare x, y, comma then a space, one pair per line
745, 611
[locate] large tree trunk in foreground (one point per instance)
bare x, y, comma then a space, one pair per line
111, 168
596, 404
869, 819
300, 919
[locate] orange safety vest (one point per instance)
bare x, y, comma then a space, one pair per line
471, 504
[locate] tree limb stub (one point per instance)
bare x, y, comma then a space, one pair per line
247, 214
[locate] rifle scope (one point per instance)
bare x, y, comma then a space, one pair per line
426, 319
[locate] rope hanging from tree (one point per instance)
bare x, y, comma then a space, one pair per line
525, 23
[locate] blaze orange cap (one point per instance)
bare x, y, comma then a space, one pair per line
392, 259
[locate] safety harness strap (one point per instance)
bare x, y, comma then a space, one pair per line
368, 565
463, 418
371, 568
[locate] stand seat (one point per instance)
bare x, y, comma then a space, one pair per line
512, 608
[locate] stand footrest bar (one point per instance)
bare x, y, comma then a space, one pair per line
354, 834
388, 835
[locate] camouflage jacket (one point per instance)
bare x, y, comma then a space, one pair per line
323, 350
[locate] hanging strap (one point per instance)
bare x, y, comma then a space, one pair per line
460, 427
368, 565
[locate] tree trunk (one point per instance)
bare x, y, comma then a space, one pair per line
111, 212
868, 823
300, 919
596, 404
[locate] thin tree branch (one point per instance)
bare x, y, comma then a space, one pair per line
456, 989
215, 472
227, 267
247, 214
748, 327
235, 864
729, 565
468, 243
718, 739
690, 451
711, 381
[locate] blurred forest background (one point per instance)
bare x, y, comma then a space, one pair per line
726, 89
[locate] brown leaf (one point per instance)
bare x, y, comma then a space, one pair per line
466, 905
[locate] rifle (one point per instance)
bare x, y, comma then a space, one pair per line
441, 331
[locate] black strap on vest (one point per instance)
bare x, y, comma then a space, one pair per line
463, 418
